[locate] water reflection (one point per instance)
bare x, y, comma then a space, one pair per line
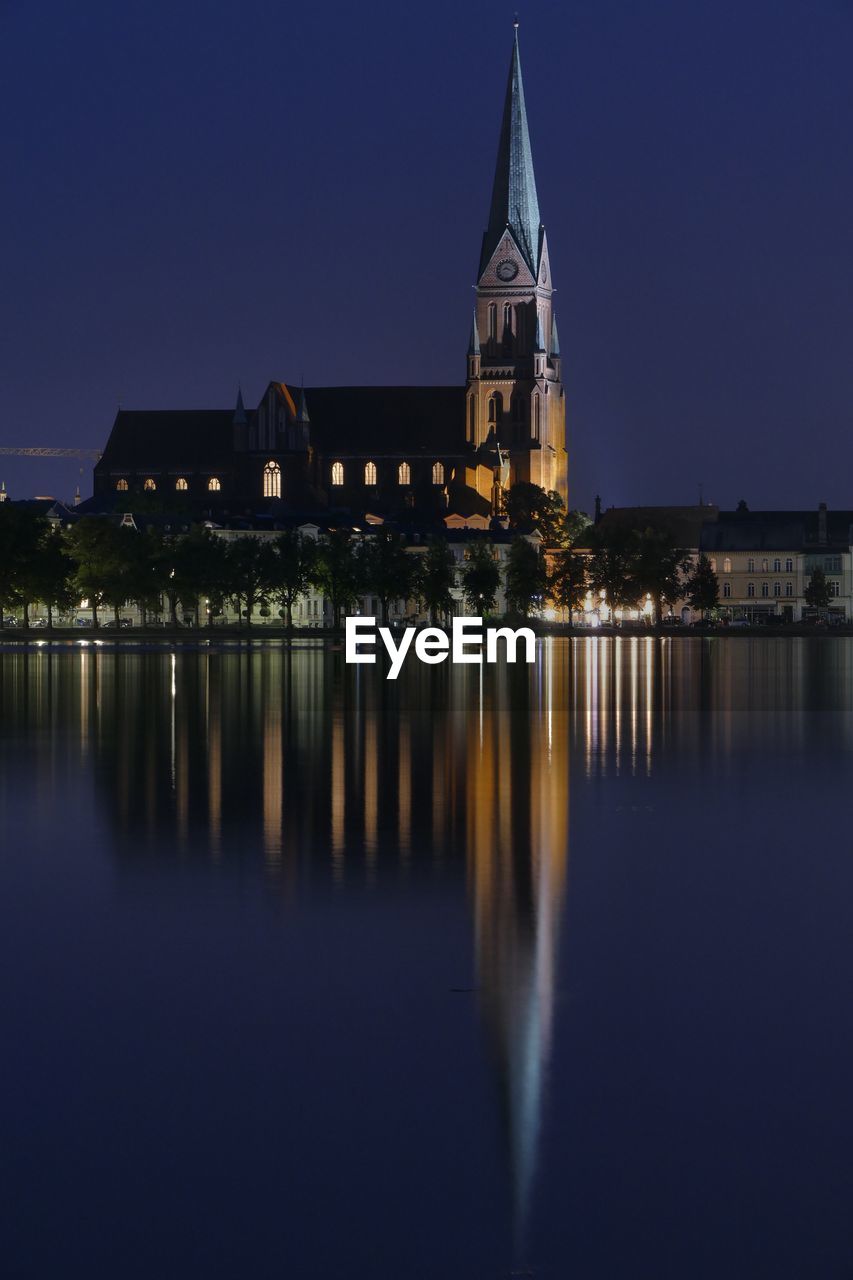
320, 777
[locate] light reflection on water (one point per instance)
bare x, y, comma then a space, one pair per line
326, 782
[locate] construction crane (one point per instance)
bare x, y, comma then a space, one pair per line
44, 452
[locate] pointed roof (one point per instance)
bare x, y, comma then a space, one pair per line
239, 411
474, 344
302, 415
515, 203
555, 341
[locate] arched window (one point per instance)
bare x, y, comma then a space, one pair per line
493, 321
181, 484
149, 485
713, 565
765, 589
404, 473
214, 484
272, 480
496, 406
777, 588
727, 589
777, 566
122, 486
438, 473
727, 565
764, 565
750, 590
789, 588
337, 473
537, 416
789, 565
750, 565
370, 473
521, 325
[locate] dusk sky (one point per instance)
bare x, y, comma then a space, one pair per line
197, 194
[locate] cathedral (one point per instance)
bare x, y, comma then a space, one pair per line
440, 453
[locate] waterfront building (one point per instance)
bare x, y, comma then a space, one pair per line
444, 452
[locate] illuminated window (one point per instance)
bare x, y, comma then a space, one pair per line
404, 473
122, 486
750, 590
765, 589
789, 565
149, 485
777, 588
438, 473
272, 480
214, 485
370, 473
727, 589
789, 588
713, 565
507, 318
181, 484
337, 473
727, 565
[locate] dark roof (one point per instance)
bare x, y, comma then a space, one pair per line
186, 439
386, 420
515, 203
778, 531
685, 524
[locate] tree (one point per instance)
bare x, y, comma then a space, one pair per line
526, 577
611, 564
49, 575
569, 528
568, 580
294, 559
250, 565
702, 586
481, 579
658, 568
529, 507
198, 562
818, 592
337, 572
101, 559
389, 570
21, 530
435, 579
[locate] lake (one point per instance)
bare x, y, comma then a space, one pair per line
513, 970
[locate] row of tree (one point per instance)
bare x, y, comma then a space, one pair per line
110, 565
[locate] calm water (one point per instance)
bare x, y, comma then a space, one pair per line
545, 970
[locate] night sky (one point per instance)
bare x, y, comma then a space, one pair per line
200, 193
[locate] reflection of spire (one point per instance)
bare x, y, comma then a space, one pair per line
518, 845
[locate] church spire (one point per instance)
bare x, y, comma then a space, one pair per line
515, 203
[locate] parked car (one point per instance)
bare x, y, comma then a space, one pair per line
673, 621
124, 623
739, 622
10, 622
38, 622
82, 622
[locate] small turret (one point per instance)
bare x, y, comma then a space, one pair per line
4, 497
302, 430
240, 423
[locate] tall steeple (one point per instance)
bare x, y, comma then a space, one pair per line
515, 203
515, 405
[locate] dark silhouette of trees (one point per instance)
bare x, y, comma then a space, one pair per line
388, 570
436, 577
703, 587
526, 580
818, 592
294, 559
337, 572
481, 578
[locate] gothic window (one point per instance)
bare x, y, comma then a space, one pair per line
272, 480
181, 484
122, 486
521, 325
727, 589
149, 485
214, 485
370, 473
496, 406
537, 416
337, 473
493, 322
438, 473
727, 565
404, 473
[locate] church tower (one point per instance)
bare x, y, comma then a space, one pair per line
515, 406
